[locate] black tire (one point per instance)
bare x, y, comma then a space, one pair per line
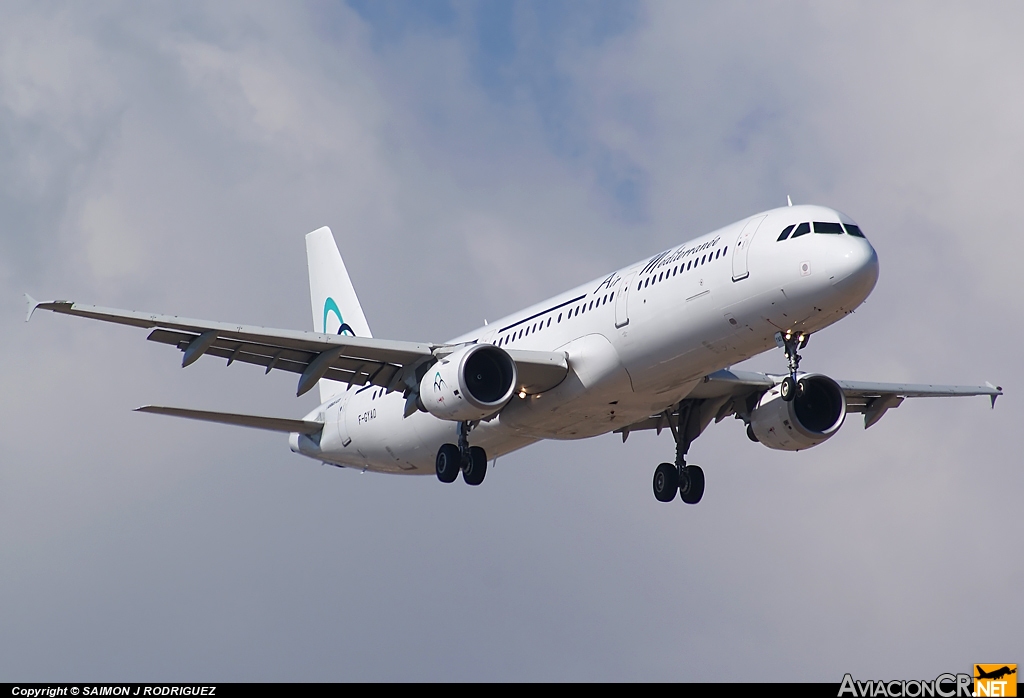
666, 482
476, 466
751, 435
691, 485
787, 389
448, 463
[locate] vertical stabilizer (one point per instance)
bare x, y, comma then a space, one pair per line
336, 309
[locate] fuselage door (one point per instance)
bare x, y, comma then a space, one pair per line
621, 298
739, 250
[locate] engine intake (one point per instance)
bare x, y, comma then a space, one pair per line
471, 383
812, 417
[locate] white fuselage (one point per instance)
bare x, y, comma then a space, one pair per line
637, 340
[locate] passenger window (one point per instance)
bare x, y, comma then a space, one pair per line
717, 252
612, 297
725, 249
785, 233
549, 322
688, 264
854, 230
559, 317
828, 228
661, 276
802, 229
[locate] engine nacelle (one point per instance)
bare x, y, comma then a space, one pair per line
812, 417
471, 383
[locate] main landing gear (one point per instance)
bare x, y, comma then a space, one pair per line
687, 480
470, 460
789, 342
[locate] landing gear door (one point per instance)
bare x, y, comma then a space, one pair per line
739, 250
621, 298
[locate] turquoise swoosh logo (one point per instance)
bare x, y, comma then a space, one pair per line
330, 306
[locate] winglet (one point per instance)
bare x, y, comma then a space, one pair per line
32, 305
993, 396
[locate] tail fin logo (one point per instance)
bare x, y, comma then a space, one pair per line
330, 306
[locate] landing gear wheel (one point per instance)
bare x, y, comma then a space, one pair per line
751, 435
691, 484
448, 462
666, 482
476, 466
787, 389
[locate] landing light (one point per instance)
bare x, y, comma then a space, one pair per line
522, 394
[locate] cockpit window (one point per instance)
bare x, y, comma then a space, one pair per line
785, 233
802, 229
854, 230
828, 228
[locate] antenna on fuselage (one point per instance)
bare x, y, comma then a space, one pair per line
789, 200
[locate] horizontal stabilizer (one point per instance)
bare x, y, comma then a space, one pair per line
242, 420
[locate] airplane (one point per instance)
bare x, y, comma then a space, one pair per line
648, 346
996, 674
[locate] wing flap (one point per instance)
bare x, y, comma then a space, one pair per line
344, 369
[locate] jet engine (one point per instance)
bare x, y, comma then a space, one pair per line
471, 383
812, 417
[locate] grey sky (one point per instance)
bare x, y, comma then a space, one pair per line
472, 159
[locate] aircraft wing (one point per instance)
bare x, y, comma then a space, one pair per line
723, 393
387, 363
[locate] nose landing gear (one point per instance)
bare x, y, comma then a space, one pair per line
470, 460
687, 480
789, 342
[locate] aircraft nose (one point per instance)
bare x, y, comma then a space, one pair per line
855, 268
